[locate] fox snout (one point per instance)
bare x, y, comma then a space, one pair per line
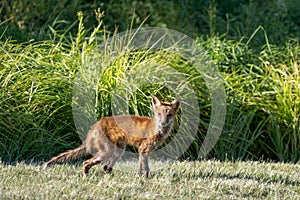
165, 123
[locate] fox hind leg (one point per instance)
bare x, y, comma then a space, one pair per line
98, 158
88, 164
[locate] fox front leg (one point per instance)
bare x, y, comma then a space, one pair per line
143, 165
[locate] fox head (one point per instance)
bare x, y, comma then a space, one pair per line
165, 112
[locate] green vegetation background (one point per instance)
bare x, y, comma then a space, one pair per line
255, 45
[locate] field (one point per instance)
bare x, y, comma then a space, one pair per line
173, 180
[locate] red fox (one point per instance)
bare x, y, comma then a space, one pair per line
107, 139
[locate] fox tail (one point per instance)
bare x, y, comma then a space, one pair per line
68, 155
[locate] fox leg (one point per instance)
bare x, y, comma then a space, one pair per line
119, 150
143, 164
143, 159
88, 164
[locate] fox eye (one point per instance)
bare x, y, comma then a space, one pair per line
169, 115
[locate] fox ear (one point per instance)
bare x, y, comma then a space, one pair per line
155, 102
176, 103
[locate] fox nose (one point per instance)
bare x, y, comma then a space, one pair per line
165, 123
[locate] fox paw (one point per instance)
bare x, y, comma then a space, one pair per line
107, 169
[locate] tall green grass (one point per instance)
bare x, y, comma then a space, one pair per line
35, 99
281, 100
37, 79
263, 99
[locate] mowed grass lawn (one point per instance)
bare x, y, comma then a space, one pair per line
173, 180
